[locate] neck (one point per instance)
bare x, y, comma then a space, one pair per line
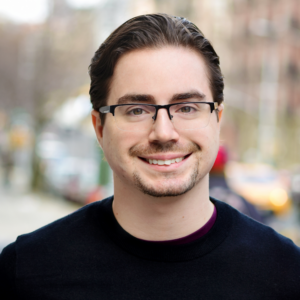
165, 218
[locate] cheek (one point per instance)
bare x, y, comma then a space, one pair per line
115, 157
111, 147
116, 148
208, 142
212, 150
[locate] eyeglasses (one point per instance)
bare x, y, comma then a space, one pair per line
140, 117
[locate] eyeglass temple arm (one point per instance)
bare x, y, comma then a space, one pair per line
107, 109
214, 107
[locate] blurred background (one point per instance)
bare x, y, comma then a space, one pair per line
50, 163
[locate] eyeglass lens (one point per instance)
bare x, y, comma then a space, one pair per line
187, 116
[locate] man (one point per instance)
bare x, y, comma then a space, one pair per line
157, 83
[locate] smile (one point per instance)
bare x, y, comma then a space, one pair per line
165, 162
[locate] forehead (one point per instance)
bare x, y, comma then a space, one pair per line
160, 73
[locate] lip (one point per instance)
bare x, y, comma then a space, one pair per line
165, 156
167, 168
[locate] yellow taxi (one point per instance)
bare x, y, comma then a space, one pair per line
261, 185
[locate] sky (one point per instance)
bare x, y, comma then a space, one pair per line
34, 11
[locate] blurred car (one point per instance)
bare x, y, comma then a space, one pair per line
74, 178
70, 165
261, 185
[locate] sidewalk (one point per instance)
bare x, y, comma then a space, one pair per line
25, 212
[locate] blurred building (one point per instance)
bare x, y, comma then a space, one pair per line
43, 64
265, 59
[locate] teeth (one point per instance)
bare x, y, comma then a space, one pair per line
165, 162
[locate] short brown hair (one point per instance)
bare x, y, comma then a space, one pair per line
150, 31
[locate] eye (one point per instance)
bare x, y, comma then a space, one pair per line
186, 109
136, 111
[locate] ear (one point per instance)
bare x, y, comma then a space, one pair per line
220, 111
97, 126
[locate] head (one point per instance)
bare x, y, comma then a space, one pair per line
152, 31
159, 59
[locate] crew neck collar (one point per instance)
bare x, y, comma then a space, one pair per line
192, 236
103, 213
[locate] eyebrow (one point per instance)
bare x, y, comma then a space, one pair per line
185, 96
133, 98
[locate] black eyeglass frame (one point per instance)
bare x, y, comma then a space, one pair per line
111, 108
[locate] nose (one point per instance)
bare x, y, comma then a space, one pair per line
163, 130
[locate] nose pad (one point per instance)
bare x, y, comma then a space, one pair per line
168, 110
163, 129
163, 120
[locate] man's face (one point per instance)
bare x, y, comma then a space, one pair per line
159, 74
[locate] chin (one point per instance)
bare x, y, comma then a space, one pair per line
171, 188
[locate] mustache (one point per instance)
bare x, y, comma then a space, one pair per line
140, 150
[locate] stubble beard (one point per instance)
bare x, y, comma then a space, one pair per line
169, 190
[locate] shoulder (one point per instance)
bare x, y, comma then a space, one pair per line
7, 271
257, 239
259, 254
72, 224
48, 246
52, 249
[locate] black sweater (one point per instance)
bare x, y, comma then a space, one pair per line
87, 255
